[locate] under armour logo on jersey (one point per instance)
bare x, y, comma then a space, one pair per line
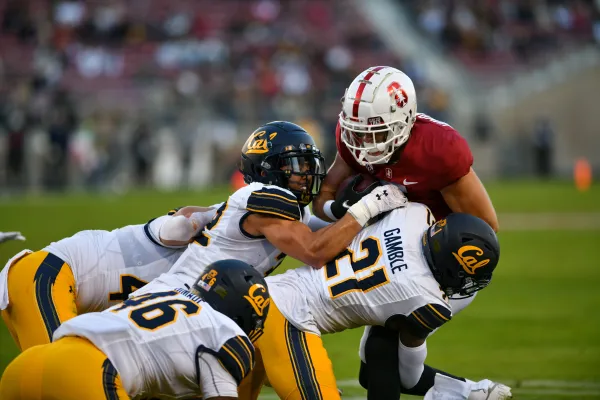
385, 193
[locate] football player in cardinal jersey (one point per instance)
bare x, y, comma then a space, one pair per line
89, 271
396, 273
380, 133
263, 222
169, 344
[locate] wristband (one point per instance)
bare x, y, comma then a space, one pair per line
361, 213
327, 210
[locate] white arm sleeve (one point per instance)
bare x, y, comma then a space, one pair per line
412, 363
315, 223
214, 379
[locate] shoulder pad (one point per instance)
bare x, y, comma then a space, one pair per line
275, 202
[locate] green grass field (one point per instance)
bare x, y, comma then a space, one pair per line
533, 327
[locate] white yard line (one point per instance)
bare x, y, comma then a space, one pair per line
576, 389
560, 384
557, 392
549, 221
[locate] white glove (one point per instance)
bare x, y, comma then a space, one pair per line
6, 236
381, 199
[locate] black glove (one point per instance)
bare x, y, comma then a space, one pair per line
349, 196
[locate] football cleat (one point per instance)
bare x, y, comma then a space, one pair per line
488, 390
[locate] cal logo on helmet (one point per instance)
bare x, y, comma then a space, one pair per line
258, 144
256, 298
469, 262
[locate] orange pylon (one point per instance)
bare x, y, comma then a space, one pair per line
582, 174
237, 180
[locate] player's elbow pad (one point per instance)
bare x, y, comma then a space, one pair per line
412, 364
179, 228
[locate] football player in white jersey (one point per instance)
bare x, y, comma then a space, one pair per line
170, 344
263, 222
396, 273
88, 271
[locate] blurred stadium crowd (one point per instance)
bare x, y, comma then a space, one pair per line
109, 93
507, 33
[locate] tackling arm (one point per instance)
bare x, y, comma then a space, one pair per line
298, 241
316, 248
468, 195
338, 172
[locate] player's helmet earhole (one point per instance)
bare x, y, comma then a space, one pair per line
465, 240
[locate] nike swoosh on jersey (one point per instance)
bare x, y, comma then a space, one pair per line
405, 182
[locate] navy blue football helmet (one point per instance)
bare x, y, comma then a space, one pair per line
283, 154
236, 289
462, 251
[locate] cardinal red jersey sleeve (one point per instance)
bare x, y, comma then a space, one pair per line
456, 158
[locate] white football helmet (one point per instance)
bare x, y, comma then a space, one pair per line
379, 110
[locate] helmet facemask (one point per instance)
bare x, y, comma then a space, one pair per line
302, 172
374, 143
464, 285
